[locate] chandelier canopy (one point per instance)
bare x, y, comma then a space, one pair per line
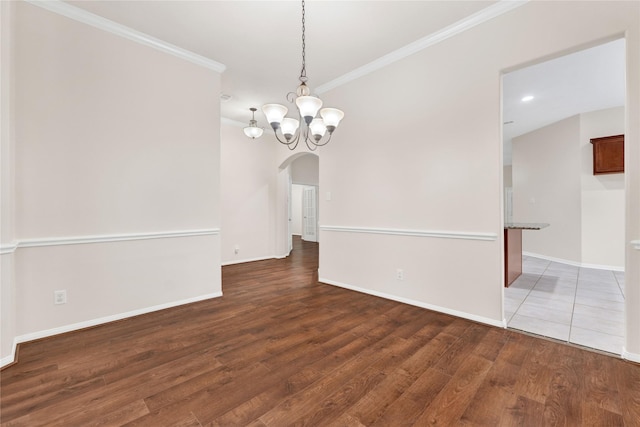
315, 128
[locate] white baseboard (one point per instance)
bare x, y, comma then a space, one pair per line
574, 263
242, 261
7, 360
630, 356
462, 314
95, 322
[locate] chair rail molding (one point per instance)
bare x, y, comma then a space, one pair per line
8, 248
81, 240
466, 235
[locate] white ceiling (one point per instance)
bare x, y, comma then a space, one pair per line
260, 41
588, 80
260, 44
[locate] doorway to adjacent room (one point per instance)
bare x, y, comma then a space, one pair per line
572, 282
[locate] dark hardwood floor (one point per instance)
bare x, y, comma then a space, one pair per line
282, 349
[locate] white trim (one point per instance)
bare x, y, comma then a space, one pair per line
635, 244
416, 233
462, 314
630, 356
108, 319
462, 25
8, 249
7, 360
242, 261
574, 263
80, 240
81, 15
231, 122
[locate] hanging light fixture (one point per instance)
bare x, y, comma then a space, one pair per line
315, 128
253, 131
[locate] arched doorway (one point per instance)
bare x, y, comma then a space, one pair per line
298, 185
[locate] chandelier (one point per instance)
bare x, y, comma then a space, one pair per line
315, 128
253, 131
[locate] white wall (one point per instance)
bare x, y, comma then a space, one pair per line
553, 166
116, 175
603, 196
547, 167
7, 195
305, 170
507, 172
248, 179
447, 176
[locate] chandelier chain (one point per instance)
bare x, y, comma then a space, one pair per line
303, 72
314, 129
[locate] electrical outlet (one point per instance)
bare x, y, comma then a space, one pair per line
60, 297
400, 274
236, 250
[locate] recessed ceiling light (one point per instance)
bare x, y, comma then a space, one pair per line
527, 98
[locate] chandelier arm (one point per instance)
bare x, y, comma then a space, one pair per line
281, 141
291, 145
310, 145
318, 144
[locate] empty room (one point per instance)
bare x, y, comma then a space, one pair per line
271, 213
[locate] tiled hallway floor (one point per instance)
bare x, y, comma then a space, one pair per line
579, 305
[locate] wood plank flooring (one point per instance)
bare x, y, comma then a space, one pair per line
282, 349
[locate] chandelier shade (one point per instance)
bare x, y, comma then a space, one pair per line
289, 127
317, 128
274, 112
314, 128
253, 131
331, 116
308, 107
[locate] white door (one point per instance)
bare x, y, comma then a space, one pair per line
309, 214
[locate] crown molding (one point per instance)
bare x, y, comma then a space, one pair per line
462, 25
81, 15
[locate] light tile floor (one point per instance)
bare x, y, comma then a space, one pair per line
579, 305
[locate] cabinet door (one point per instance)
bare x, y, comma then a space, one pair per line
608, 154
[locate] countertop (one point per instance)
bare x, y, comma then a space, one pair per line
525, 225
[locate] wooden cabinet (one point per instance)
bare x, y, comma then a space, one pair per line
512, 255
608, 154
513, 248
